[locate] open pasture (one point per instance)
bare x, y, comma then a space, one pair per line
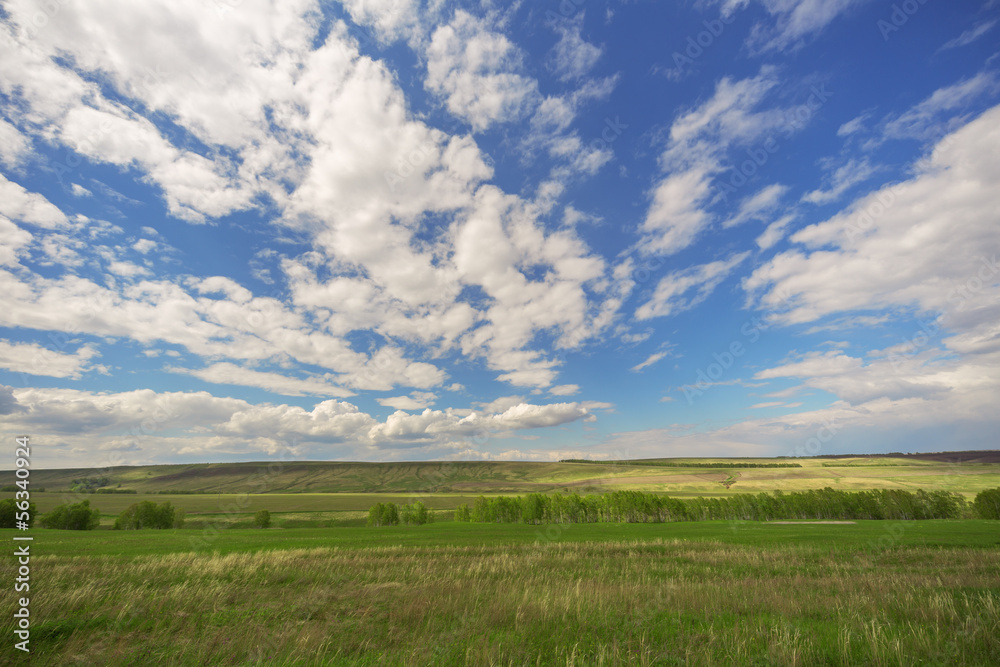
452, 593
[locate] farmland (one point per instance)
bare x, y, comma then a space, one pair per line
320, 588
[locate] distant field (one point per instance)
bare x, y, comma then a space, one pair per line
920, 592
473, 478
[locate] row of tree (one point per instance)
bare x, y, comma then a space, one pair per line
640, 507
390, 514
148, 514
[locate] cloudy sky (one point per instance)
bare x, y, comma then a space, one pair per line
392, 229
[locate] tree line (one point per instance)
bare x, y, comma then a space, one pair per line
390, 514
642, 507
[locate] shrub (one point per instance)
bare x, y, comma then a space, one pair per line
73, 517
262, 519
9, 511
146, 514
462, 513
88, 484
987, 504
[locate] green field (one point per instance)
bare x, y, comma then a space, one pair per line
320, 588
452, 593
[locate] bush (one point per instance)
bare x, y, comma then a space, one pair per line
73, 517
987, 504
9, 511
88, 484
462, 513
146, 514
262, 519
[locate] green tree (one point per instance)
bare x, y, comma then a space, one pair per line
262, 519
383, 514
9, 511
73, 517
462, 513
987, 504
147, 514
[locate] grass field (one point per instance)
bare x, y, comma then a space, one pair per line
320, 588
453, 593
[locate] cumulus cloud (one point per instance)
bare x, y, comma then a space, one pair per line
897, 246
477, 71
34, 359
150, 426
30, 207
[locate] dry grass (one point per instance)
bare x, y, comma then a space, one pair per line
661, 602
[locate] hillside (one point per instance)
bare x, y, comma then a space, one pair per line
968, 475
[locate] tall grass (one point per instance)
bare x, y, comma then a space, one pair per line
614, 602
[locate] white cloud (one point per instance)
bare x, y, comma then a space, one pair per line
970, 35
418, 400
899, 246
392, 19
854, 125
80, 191
150, 427
670, 294
774, 232
572, 56
478, 73
845, 177
758, 206
696, 153
795, 21
34, 359
14, 146
938, 114
144, 246
564, 390
13, 242
284, 385
20, 205
648, 361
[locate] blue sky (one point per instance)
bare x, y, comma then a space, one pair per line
375, 230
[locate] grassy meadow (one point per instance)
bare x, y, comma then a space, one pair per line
321, 588
452, 593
